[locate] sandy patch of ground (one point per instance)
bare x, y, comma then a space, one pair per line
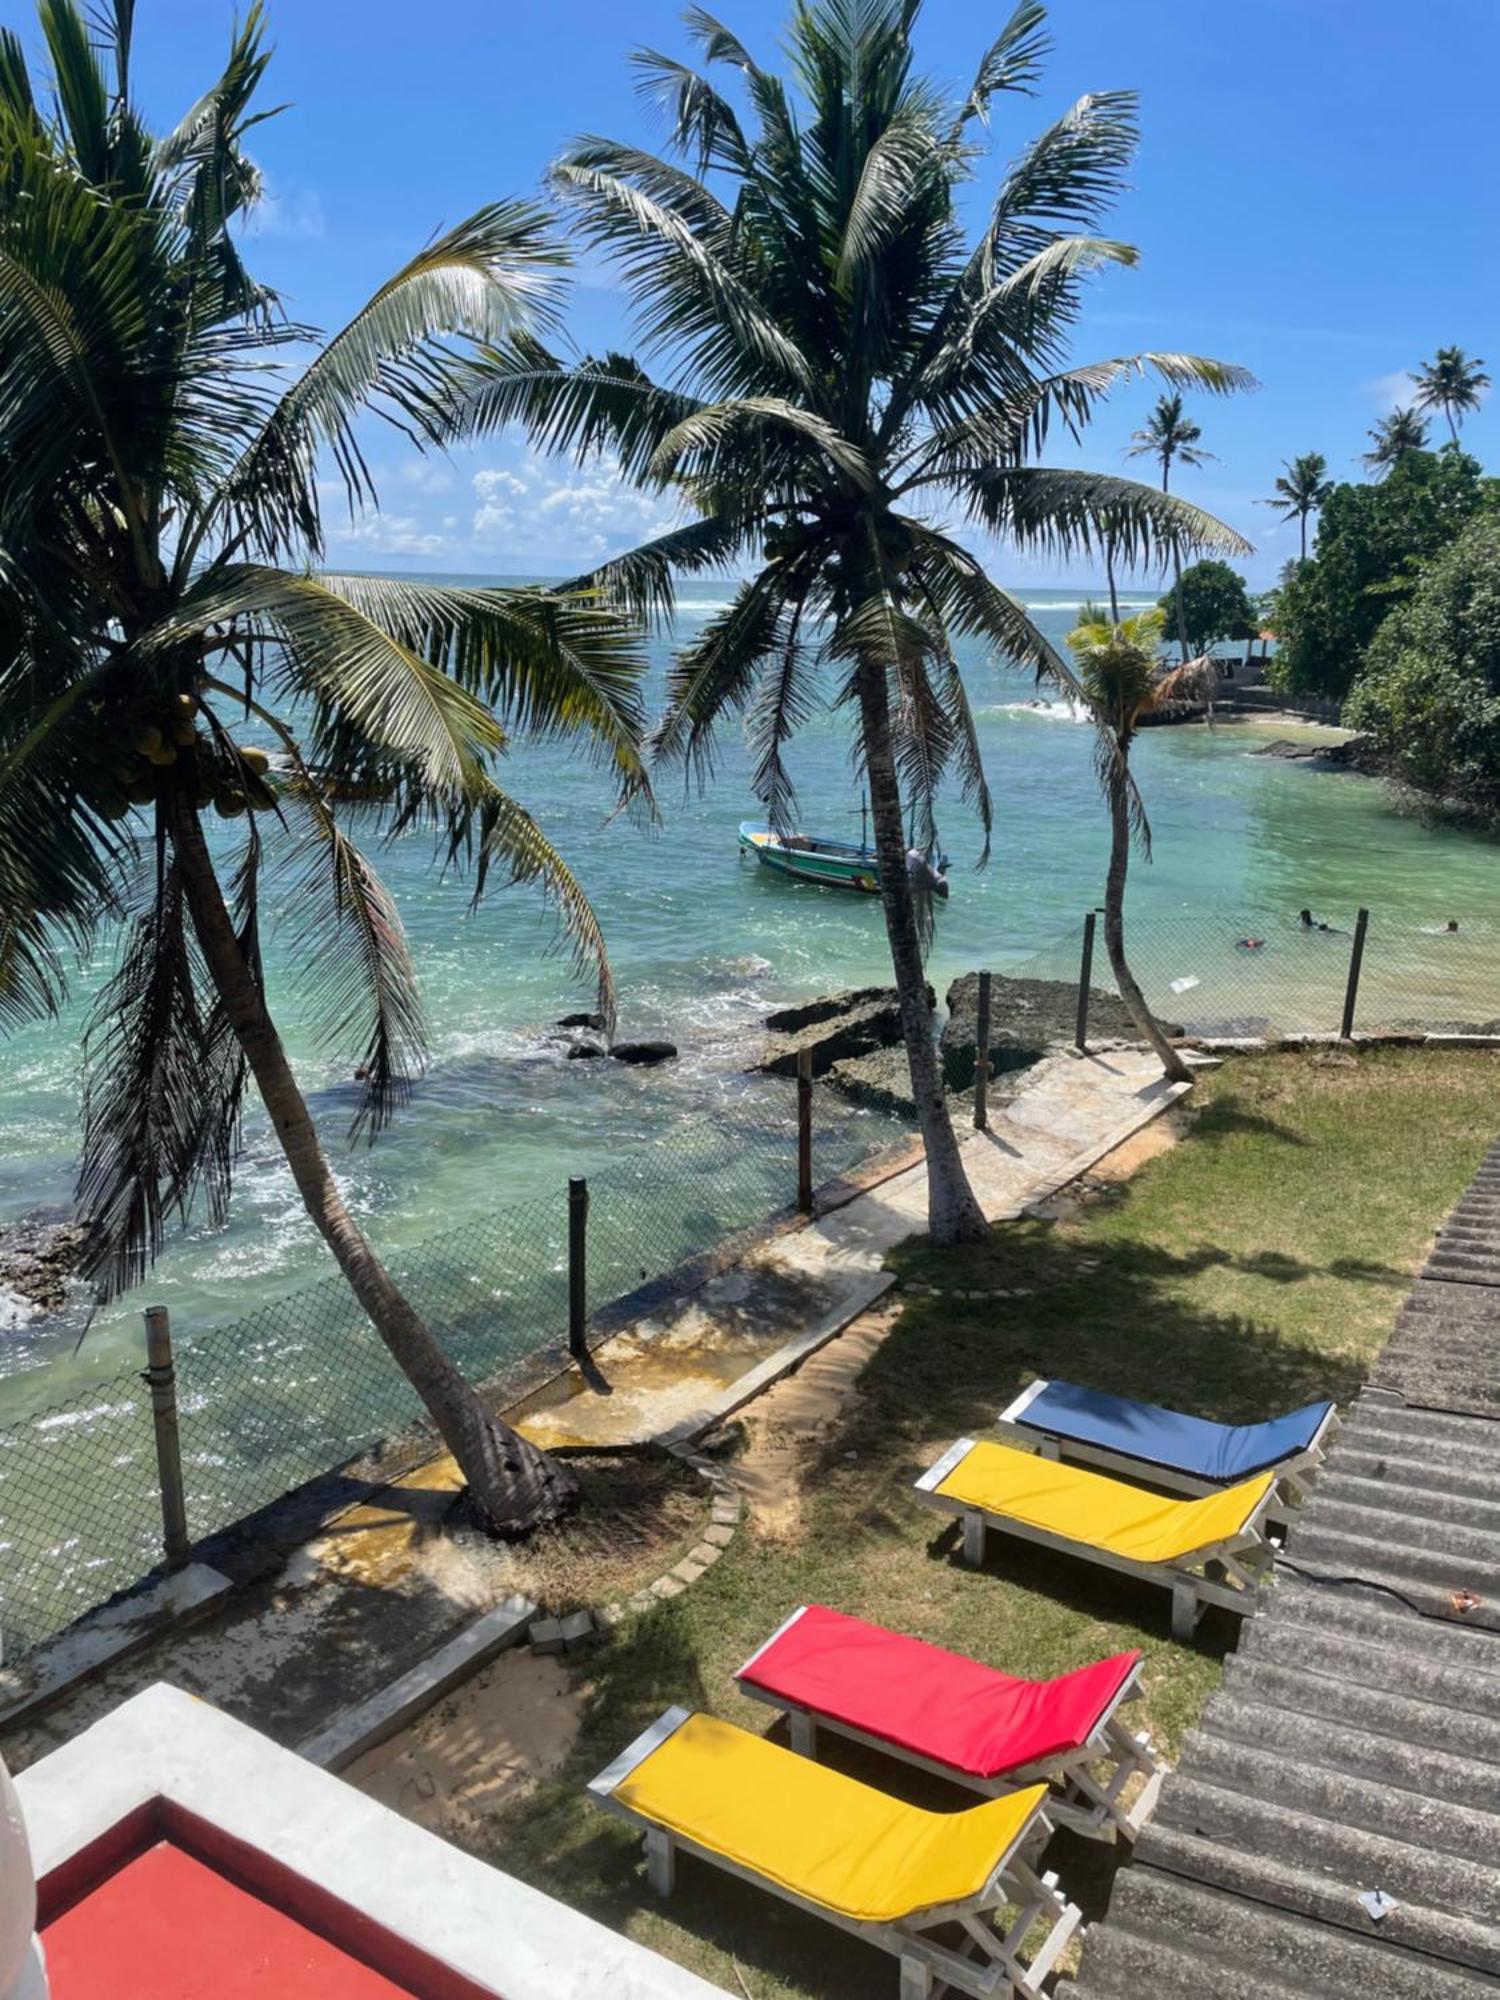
784, 1426
482, 1748
1160, 1136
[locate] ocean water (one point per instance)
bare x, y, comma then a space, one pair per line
703, 943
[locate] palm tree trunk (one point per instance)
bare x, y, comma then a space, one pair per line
1182, 637
1114, 925
1109, 572
513, 1486
953, 1214
1302, 523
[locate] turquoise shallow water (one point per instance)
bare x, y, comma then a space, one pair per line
703, 943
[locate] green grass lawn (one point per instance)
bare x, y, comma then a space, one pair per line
1257, 1265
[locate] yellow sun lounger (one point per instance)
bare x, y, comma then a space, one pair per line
890, 1873
1207, 1551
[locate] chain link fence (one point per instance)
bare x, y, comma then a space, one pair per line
1225, 974
302, 1386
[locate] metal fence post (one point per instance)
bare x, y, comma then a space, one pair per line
1356, 960
982, 1054
804, 1131
578, 1230
1085, 977
161, 1378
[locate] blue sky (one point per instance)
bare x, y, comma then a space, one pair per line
1314, 198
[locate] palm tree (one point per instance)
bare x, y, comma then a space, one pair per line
1301, 490
1169, 434
836, 360
159, 528
1452, 383
1120, 682
1401, 431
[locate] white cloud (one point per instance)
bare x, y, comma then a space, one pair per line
391, 535
597, 514
425, 475
287, 212
1390, 392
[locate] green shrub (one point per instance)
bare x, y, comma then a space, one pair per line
1429, 691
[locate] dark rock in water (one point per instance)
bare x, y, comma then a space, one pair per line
595, 1021
834, 1029
1027, 1018
832, 1007
585, 1051
38, 1256
643, 1052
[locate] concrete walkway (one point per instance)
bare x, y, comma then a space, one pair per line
667, 1376
1355, 1742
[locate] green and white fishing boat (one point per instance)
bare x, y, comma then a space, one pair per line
834, 864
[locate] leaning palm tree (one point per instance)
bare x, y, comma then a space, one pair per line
837, 363
1169, 434
159, 605
1301, 490
1452, 383
1120, 683
1400, 432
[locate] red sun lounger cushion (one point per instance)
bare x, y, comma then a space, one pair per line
936, 1704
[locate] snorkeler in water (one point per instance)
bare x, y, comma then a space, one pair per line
1310, 923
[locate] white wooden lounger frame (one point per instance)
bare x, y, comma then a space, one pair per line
1294, 1475
986, 1965
1087, 1804
1228, 1573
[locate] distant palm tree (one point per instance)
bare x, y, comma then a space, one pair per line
1120, 682
1452, 383
1401, 431
841, 365
1302, 490
159, 531
1169, 434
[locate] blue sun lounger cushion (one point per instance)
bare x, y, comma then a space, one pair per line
1194, 1446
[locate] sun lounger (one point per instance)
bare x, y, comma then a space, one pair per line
888, 1872
1189, 1454
1212, 1550
966, 1722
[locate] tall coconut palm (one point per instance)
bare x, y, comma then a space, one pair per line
837, 362
1170, 434
1301, 490
1401, 431
1120, 682
159, 605
1452, 383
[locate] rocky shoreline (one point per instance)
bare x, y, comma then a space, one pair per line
38, 1257
854, 1038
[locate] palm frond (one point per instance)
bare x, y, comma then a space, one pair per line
350, 951
598, 405
500, 838
715, 673
396, 358
370, 692
548, 664
1065, 512
1012, 62
161, 1097
699, 446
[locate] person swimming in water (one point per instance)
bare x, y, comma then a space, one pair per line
1249, 944
1310, 923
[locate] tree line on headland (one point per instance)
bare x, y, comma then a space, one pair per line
1393, 612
